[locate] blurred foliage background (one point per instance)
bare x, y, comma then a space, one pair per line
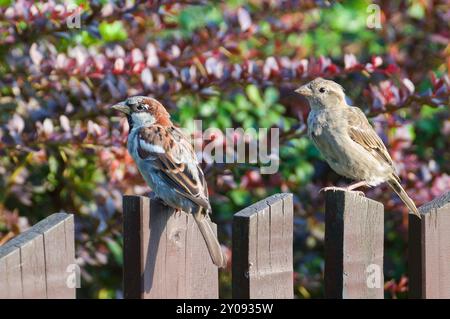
229, 63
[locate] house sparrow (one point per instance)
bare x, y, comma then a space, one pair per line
167, 162
347, 141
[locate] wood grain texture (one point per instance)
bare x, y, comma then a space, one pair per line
262, 249
58, 256
69, 228
37, 260
354, 230
429, 250
165, 255
31, 246
10, 272
201, 274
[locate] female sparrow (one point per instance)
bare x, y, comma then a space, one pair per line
167, 162
347, 141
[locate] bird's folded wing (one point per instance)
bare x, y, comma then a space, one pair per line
172, 155
361, 132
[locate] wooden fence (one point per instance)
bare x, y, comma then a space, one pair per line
35, 264
354, 232
429, 250
165, 255
262, 249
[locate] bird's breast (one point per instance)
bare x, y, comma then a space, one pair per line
321, 121
132, 144
345, 156
316, 123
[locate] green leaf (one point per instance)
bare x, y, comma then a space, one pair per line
193, 17
265, 28
53, 164
240, 196
106, 294
416, 11
111, 32
242, 103
22, 25
224, 120
411, 131
248, 123
208, 108
253, 94
116, 250
428, 112
86, 39
5, 3
271, 96
304, 171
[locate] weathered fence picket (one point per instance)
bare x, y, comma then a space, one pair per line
34, 264
165, 255
354, 229
429, 250
262, 249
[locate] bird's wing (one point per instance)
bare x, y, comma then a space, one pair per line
361, 132
173, 157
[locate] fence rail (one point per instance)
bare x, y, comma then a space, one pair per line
34, 264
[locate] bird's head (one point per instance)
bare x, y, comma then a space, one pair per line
322, 94
143, 111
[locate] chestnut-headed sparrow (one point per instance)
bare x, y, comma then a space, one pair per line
167, 162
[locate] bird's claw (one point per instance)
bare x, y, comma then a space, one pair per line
332, 188
335, 188
360, 193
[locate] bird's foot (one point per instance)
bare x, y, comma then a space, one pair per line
332, 188
344, 189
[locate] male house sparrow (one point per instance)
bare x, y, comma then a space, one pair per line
347, 141
168, 164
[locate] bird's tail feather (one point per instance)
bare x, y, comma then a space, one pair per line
397, 187
217, 256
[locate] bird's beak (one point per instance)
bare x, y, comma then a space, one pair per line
304, 90
122, 107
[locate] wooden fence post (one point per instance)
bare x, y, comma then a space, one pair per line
165, 255
354, 230
35, 263
429, 250
262, 249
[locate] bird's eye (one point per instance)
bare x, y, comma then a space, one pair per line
322, 90
139, 107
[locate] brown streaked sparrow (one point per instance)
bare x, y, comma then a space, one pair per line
167, 162
347, 141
